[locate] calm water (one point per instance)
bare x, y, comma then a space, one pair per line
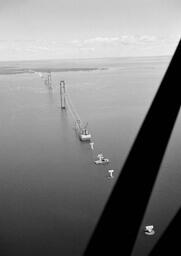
51, 192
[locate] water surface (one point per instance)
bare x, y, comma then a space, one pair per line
51, 192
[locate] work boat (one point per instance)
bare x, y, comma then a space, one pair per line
101, 159
84, 135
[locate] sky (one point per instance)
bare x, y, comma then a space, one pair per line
44, 29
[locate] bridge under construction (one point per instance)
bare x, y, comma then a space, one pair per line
66, 104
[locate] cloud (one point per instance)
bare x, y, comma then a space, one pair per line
31, 45
132, 39
75, 41
102, 46
116, 40
87, 48
127, 45
101, 40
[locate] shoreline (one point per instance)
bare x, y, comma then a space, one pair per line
13, 70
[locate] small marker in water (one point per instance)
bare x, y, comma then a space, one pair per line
92, 145
149, 230
111, 173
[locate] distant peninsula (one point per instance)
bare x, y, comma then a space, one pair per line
14, 70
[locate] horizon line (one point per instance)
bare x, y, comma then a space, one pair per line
89, 58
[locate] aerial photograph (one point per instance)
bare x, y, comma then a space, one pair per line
77, 79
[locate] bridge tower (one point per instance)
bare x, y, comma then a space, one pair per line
49, 80
62, 94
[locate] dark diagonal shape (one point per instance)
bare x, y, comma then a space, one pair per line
118, 226
169, 243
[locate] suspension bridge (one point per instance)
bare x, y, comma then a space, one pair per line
80, 127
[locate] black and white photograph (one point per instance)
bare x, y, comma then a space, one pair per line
90, 128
